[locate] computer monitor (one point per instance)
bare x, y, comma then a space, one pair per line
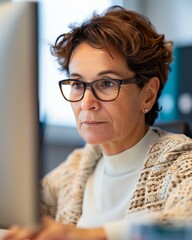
19, 114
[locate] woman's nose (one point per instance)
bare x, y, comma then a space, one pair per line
89, 101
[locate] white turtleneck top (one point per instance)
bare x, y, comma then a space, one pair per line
110, 187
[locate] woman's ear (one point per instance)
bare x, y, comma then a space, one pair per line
151, 91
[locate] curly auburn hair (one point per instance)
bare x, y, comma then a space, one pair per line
146, 52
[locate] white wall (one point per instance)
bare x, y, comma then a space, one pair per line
171, 17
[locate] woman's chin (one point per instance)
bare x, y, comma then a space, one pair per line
94, 139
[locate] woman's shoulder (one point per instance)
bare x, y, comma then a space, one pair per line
168, 147
80, 158
70, 174
173, 138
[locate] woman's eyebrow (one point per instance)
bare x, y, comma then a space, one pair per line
108, 72
99, 74
75, 75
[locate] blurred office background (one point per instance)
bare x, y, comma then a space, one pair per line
171, 17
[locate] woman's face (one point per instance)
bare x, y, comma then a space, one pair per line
115, 125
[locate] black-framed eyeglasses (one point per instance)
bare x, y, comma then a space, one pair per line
106, 89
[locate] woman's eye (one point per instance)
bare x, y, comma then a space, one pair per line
107, 83
77, 85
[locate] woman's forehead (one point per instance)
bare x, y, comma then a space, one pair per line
87, 56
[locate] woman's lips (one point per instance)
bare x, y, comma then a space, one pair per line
92, 123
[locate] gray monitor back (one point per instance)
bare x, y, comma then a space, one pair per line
19, 133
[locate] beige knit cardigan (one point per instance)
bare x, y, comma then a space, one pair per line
164, 187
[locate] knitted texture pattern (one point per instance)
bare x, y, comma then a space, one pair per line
164, 187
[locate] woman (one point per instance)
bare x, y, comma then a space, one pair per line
128, 172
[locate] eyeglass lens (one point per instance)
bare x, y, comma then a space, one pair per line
103, 89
